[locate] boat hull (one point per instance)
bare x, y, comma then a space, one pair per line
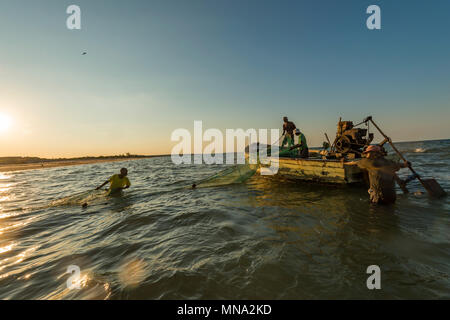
317, 170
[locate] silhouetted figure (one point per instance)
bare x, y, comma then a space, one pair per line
288, 129
118, 182
381, 175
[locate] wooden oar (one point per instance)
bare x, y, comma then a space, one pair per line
431, 185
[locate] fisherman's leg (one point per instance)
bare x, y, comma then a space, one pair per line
285, 139
376, 198
290, 140
388, 199
304, 153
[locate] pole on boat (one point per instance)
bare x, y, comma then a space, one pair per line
326, 136
433, 188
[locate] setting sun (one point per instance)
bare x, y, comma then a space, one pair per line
5, 122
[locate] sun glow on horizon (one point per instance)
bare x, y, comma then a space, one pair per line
5, 122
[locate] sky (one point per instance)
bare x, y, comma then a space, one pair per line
155, 66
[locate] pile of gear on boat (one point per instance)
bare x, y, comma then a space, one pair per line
348, 144
351, 158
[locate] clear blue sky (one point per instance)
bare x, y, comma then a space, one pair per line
154, 66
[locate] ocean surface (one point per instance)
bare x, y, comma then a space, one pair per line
262, 239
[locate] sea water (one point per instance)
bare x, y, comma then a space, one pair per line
264, 238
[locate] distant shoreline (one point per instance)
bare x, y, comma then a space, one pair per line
50, 163
8, 164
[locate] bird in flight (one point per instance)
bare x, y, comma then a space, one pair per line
84, 53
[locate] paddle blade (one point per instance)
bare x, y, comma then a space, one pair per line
434, 188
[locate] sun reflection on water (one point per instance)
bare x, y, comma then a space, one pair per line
6, 248
16, 225
4, 176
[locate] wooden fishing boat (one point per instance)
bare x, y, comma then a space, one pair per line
316, 169
334, 164
337, 162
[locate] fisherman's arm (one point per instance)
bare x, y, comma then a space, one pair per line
127, 184
99, 187
405, 164
359, 163
397, 165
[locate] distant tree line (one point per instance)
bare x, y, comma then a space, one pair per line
27, 160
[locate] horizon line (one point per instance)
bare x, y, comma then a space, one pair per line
169, 154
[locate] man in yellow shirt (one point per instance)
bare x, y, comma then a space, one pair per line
118, 182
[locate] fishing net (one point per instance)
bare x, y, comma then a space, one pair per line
79, 199
287, 153
235, 174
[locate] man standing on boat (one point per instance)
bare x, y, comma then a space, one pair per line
381, 175
288, 132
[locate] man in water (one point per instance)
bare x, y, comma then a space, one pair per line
118, 182
381, 175
288, 129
